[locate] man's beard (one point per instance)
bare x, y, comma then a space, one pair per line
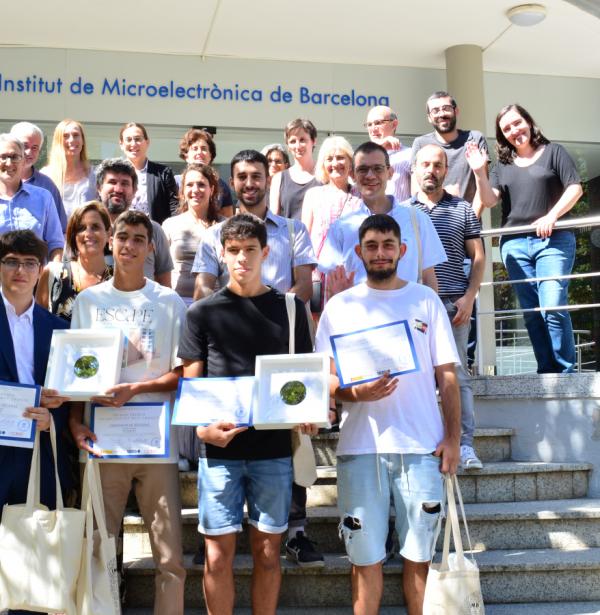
116, 207
259, 198
380, 275
451, 125
431, 184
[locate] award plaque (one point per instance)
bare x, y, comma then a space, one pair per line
291, 389
84, 362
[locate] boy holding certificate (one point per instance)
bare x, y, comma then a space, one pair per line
223, 335
394, 444
151, 317
26, 330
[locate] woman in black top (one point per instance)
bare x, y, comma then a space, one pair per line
537, 183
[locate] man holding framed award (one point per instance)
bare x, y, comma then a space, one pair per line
394, 443
223, 335
26, 330
151, 318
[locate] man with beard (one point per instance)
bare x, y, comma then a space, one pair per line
394, 443
116, 181
381, 124
442, 113
459, 230
287, 268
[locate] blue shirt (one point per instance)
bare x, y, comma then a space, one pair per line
32, 208
343, 237
282, 258
43, 181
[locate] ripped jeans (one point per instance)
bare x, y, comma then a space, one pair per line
367, 484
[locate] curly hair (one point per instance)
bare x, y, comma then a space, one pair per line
504, 150
213, 181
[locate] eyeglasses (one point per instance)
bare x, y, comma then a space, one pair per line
13, 264
11, 157
136, 140
442, 109
276, 161
376, 123
378, 169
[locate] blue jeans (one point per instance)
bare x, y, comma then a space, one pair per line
366, 485
551, 332
467, 406
225, 484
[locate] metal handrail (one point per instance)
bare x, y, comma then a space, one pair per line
569, 223
556, 308
571, 276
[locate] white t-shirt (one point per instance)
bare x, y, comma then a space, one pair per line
343, 237
408, 421
151, 320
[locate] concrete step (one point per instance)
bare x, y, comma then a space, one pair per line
559, 524
505, 481
491, 444
507, 576
541, 608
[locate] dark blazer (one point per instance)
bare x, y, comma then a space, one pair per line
16, 461
163, 199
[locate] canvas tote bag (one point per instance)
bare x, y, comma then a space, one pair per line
303, 455
98, 584
453, 586
41, 548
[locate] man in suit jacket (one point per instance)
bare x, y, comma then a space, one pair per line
26, 332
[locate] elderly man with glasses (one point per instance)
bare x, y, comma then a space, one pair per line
381, 124
23, 206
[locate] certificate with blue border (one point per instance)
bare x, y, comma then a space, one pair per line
15, 429
366, 354
203, 401
138, 430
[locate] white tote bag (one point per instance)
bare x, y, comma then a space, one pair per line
453, 586
303, 455
41, 548
98, 584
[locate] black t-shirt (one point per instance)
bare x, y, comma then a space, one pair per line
528, 193
227, 332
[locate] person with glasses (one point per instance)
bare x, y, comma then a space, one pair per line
442, 114
26, 330
339, 260
32, 138
277, 158
23, 206
156, 193
381, 124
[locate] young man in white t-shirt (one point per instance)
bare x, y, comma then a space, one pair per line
151, 317
394, 443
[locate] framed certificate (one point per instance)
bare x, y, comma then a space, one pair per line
291, 389
365, 355
84, 362
135, 430
15, 429
202, 401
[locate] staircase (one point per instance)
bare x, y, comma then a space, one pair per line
535, 533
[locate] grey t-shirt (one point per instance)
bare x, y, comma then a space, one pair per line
459, 171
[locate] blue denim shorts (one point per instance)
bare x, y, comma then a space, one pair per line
366, 486
224, 485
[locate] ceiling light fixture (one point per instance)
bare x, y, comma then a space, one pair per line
527, 14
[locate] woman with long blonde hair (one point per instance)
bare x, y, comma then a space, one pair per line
68, 165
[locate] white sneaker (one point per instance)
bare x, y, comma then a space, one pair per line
468, 458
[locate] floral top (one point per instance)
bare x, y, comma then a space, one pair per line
63, 290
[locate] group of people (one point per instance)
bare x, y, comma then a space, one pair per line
369, 237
